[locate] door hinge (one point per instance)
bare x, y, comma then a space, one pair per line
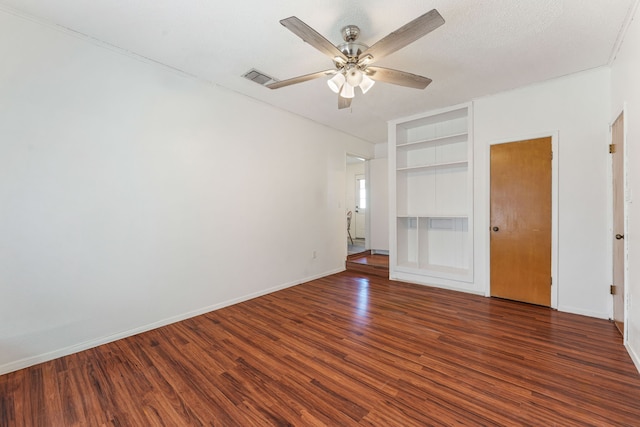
612, 289
550, 281
612, 148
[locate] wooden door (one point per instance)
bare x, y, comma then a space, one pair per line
521, 221
617, 150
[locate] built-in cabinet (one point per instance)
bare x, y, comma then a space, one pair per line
431, 194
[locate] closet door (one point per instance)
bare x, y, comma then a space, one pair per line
521, 221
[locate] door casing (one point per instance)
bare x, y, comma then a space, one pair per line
360, 214
554, 209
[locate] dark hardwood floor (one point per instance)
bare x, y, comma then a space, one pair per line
368, 263
343, 350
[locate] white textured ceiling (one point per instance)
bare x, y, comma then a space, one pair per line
485, 46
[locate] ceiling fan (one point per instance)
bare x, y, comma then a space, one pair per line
352, 59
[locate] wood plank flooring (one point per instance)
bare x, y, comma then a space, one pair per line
344, 350
369, 263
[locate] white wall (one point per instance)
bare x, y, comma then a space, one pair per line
381, 150
577, 108
379, 204
625, 75
132, 196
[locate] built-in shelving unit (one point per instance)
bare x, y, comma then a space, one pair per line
431, 192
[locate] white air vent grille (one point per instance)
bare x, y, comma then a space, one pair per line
258, 77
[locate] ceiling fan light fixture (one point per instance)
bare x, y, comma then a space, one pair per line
352, 59
336, 82
354, 76
339, 61
347, 91
365, 60
366, 84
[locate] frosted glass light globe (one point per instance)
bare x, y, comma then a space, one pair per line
347, 91
354, 77
336, 82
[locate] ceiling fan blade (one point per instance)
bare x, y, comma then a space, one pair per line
397, 77
406, 34
311, 36
300, 79
344, 102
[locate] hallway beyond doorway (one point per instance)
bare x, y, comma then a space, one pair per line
357, 246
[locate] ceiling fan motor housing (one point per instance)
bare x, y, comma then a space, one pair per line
350, 33
351, 48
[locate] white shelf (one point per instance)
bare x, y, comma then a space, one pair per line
450, 274
432, 141
434, 166
443, 269
410, 265
430, 160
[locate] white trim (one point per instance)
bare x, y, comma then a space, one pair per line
634, 357
98, 42
554, 209
623, 32
356, 191
625, 221
45, 357
583, 312
367, 212
424, 114
436, 282
391, 195
367, 219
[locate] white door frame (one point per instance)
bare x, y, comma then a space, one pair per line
367, 212
363, 215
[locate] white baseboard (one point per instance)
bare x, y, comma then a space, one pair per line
45, 357
379, 252
582, 312
634, 357
435, 283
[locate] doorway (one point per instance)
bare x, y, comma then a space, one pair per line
617, 159
356, 204
521, 220
361, 207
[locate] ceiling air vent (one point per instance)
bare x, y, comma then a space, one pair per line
258, 77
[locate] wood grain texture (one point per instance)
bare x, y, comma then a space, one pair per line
311, 36
299, 79
405, 35
368, 263
347, 349
397, 77
521, 221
